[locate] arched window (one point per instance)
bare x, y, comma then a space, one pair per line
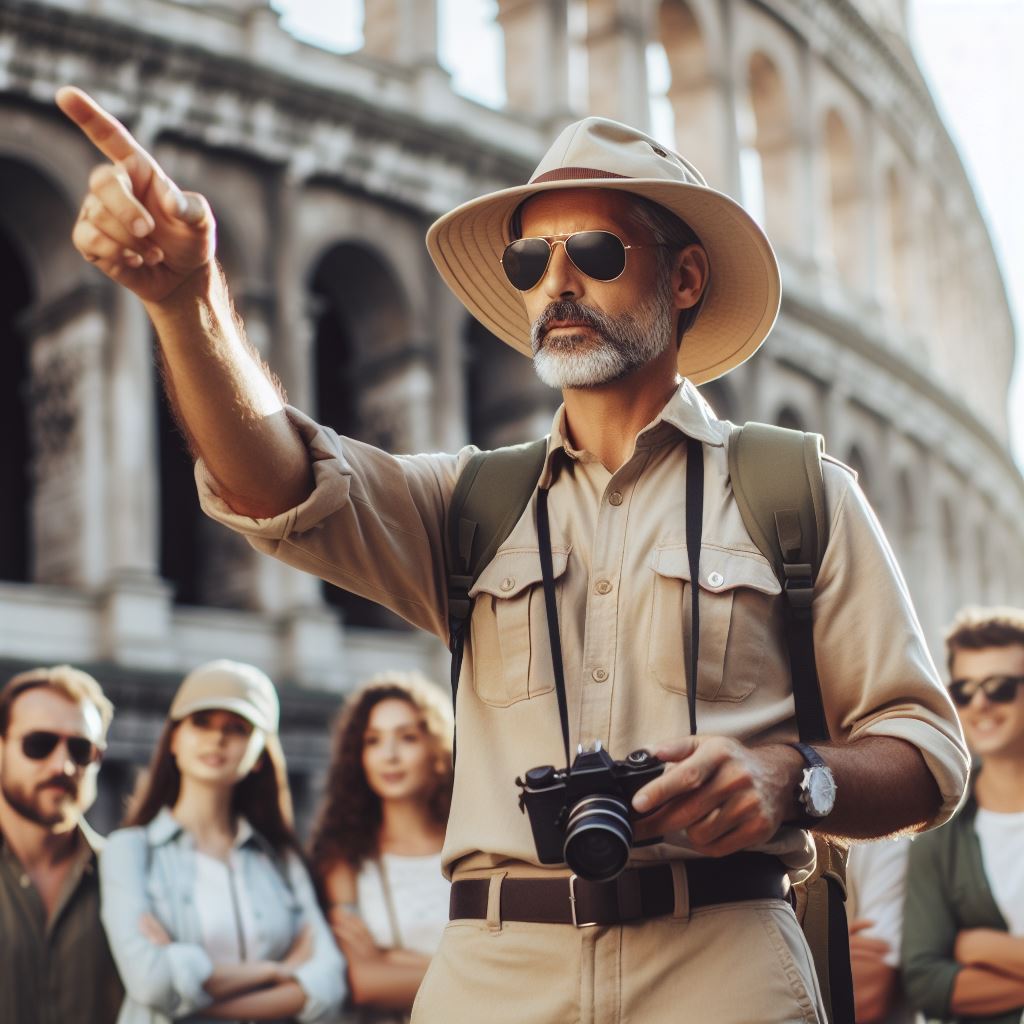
362, 338
787, 416
767, 169
856, 461
15, 495
844, 201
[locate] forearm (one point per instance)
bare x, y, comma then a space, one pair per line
996, 951
283, 1000
234, 979
883, 787
226, 399
387, 982
981, 992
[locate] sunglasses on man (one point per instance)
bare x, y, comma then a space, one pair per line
598, 254
39, 745
998, 689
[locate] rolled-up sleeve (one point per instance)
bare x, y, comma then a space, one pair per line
373, 524
322, 976
168, 979
877, 676
929, 932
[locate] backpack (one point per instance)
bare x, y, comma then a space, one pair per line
777, 481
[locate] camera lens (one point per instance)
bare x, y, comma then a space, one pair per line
598, 837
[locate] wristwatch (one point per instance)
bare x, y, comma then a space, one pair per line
816, 792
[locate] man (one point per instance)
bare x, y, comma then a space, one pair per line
55, 965
963, 939
597, 268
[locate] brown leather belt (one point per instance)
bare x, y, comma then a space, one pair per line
637, 893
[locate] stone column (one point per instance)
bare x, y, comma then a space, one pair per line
402, 31
616, 44
536, 58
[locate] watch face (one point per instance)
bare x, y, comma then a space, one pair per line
819, 791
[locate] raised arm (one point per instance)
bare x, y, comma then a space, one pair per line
147, 235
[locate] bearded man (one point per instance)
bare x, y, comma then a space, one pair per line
628, 281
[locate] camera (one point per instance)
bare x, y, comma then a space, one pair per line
582, 816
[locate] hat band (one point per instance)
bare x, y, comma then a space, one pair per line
573, 173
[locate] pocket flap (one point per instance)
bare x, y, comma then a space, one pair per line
512, 572
721, 569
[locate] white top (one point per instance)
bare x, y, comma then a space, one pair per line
224, 908
419, 894
876, 880
1002, 853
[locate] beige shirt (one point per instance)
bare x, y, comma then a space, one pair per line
374, 524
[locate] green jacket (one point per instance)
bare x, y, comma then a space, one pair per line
947, 892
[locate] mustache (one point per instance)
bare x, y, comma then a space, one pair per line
566, 309
59, 782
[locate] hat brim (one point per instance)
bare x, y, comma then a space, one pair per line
236, 706
740, 304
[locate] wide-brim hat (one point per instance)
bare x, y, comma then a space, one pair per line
225, 685
744, 288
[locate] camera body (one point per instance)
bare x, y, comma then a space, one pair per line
583, 817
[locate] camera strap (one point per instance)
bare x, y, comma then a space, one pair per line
694, 531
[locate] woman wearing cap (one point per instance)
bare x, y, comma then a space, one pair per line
376, 847
207, 905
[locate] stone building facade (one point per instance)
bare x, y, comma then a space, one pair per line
324, 171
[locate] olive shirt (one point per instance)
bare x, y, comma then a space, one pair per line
375, 525
58, 971
947, 892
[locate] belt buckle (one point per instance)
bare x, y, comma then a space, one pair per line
572, 904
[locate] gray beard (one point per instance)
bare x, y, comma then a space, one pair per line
616, 346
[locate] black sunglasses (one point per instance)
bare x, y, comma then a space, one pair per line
39, 745
998, 689
598, 254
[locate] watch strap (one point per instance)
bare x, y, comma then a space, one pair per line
810, 755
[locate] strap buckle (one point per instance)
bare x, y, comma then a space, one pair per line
576, 923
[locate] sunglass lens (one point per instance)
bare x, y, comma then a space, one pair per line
1002, 691
525, 261
37, 745
599, 254
959, 694
81, 750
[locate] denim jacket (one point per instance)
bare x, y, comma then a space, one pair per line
152, 869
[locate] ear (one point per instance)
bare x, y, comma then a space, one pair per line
690, 276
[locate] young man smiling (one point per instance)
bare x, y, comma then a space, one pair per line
963, 939
594, 269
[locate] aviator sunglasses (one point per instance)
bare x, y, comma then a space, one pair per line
598, 254
998, 689
39, 745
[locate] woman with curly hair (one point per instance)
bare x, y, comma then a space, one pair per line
376, 845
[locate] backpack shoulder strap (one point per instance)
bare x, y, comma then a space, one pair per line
491, 494
777, 481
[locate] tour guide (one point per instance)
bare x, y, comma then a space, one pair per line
596, 269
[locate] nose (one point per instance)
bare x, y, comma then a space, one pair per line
561, 278
979, 699
60, 759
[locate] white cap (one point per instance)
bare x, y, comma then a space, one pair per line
225, 685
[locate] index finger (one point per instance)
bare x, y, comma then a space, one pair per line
103, 130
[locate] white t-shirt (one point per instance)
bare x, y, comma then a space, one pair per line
1002, 853
226, 920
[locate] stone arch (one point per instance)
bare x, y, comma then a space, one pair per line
693, 91
845, 200
788, 416
857, 461
362, 329
909, 533
768, 170
507, 404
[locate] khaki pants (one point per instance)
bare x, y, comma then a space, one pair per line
734, 963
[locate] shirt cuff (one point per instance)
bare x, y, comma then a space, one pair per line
190, 967
318, 1004
331, 484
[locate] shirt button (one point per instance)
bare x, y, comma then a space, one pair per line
615, 498
715, 579
603, 587
24, 881
508, 583
599, 675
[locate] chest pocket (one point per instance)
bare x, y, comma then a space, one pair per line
511, 657
736, 610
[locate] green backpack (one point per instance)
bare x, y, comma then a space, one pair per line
777, 481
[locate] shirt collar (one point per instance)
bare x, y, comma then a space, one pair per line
686, 412
165, 827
